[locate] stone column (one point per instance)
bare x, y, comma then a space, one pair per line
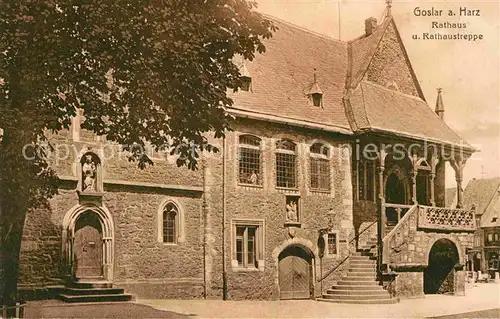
414, 173
434, 162
382, 217
458, 165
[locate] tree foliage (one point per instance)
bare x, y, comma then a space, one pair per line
153, 71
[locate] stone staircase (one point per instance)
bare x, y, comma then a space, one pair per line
360, 286
93, 291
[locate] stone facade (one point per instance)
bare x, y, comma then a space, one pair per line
218, 217
389, 65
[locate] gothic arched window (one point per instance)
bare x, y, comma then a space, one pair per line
170, 223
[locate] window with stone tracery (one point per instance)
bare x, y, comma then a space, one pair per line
319, 168
249, 160
286, 165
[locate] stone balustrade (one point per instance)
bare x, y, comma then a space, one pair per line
448, 219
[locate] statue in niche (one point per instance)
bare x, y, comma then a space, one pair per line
253, 179
89, 174
291, 211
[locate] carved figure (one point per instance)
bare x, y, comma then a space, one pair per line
89, 174
291, 211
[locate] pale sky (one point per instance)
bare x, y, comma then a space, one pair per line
468, 72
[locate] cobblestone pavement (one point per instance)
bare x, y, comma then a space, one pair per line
479, 297
59, 309
491, 313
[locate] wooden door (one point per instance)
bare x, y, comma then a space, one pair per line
295, 274
88, 252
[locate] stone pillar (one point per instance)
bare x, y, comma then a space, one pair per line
381, 206
414, 173
434, 162
458, 165
414, 186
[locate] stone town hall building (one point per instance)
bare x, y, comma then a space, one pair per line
292, 208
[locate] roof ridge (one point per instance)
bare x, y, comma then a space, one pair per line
321, 35
365, 106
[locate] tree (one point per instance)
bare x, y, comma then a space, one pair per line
154, 71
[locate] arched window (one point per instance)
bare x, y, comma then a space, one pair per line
286, 164
170, 226
319, 168
249, 160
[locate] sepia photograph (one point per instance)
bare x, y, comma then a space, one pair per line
249, 159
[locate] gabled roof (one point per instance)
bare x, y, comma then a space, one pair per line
283, 74
281, 79
480, 192
379, 109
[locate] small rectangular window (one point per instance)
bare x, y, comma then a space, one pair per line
332, 244
248, 245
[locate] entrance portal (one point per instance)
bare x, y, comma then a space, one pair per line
295, 273
395, 193
88, 243
439, 277
88, 246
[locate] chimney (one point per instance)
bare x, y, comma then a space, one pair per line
439, 104
370, 25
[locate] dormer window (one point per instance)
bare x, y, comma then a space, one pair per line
246, 83
245, 76
315, 93
317, 99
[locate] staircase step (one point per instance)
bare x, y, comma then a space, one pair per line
369, 301
371, 274
359, 278
96, 298
363, 269
362, 258
90, 284
356, 292
358, 282
92, 291
358, 287
357, 297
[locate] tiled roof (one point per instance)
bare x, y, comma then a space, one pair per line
361, 51
491, 217
479, 192
380, 109
282, 75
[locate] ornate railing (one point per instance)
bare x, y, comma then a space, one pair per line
440, 218
394, 213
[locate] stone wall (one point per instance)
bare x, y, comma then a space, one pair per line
389, 64
152, 269
407, 253
268, 203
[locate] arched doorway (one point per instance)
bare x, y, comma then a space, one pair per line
439, 276
88, 243
295, 273
87, 246
395, 193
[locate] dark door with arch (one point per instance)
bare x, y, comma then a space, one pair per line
394, 194
295, 273
439, 276
87, 247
